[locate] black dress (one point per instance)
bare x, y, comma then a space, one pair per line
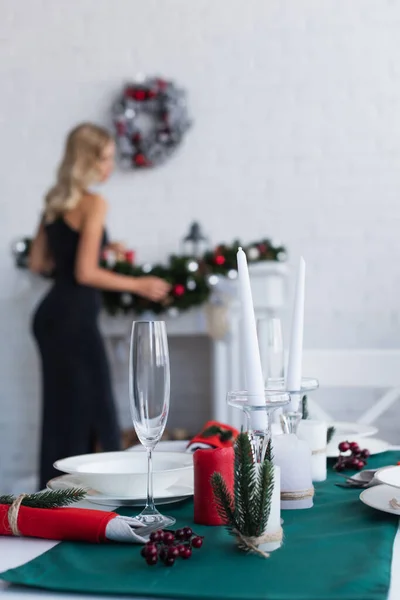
78, 407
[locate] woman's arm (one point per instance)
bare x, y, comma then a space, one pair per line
40, 260
87, 270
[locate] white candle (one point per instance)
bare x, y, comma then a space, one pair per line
274, 520
293, 456
293, 374
314, 433
251, 351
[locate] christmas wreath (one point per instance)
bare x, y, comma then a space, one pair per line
150, 120
193, 279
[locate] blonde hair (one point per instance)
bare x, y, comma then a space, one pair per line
77, 170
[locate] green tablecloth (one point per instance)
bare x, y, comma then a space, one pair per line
338, 550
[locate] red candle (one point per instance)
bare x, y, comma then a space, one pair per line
206, 462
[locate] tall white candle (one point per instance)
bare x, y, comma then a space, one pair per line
251, 351
314, 433
293, 373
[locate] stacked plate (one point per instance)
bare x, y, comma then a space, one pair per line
120, 478
385, 497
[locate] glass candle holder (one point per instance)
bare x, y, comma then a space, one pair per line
251, 404
293, 413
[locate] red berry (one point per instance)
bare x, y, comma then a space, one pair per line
156, 536
188, 532
179, 534
169, 561
173, 552
197, 542
365, 453
344, 446
360, 465
151, 560
180, 548
151, 549
354, 447
143, 552
168, 538
186, 552
352, 462
163, 553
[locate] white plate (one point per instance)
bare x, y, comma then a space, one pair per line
344, 429
175, 493
124, 474
167, 446
374, 445
389, 476
379, 497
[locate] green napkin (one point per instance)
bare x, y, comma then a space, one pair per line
338, 550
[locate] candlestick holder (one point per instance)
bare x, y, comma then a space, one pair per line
292, 415
253, 404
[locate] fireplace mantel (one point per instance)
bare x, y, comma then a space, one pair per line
268, 281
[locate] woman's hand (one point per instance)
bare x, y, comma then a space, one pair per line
153, 288
118, 247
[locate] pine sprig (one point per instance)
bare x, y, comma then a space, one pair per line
223, 500
268, 453
245, 513
224, 434
245, 485
264, 490
48, 499
330, 434
304, 407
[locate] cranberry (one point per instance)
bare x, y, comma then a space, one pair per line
168, 538
169, 561
365, 453
173, 552
344, 446
180, 534
187, 532
186, 552
151, 560
197, 542
156, 536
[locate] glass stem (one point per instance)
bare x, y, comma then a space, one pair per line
150, 496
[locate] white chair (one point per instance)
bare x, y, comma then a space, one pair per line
355, 369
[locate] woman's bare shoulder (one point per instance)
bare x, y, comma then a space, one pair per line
93, 203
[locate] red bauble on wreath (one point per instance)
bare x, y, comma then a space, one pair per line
150, 121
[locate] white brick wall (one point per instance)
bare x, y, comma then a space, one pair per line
297, 135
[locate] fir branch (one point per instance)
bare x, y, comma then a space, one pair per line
264, 490
330, 434
245, 485
268, 453
304, 408
48, 499
224, 434
223, 500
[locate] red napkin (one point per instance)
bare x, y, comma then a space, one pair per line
214, 441
77, 524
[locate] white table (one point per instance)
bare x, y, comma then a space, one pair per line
17, 551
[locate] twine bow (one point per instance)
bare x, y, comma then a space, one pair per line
252, 543
13, 513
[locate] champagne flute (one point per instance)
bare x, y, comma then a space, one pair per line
149, 391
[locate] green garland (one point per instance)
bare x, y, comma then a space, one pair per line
192, 279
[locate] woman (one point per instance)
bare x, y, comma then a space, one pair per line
78, 405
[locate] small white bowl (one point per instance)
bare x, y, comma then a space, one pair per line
125, 473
